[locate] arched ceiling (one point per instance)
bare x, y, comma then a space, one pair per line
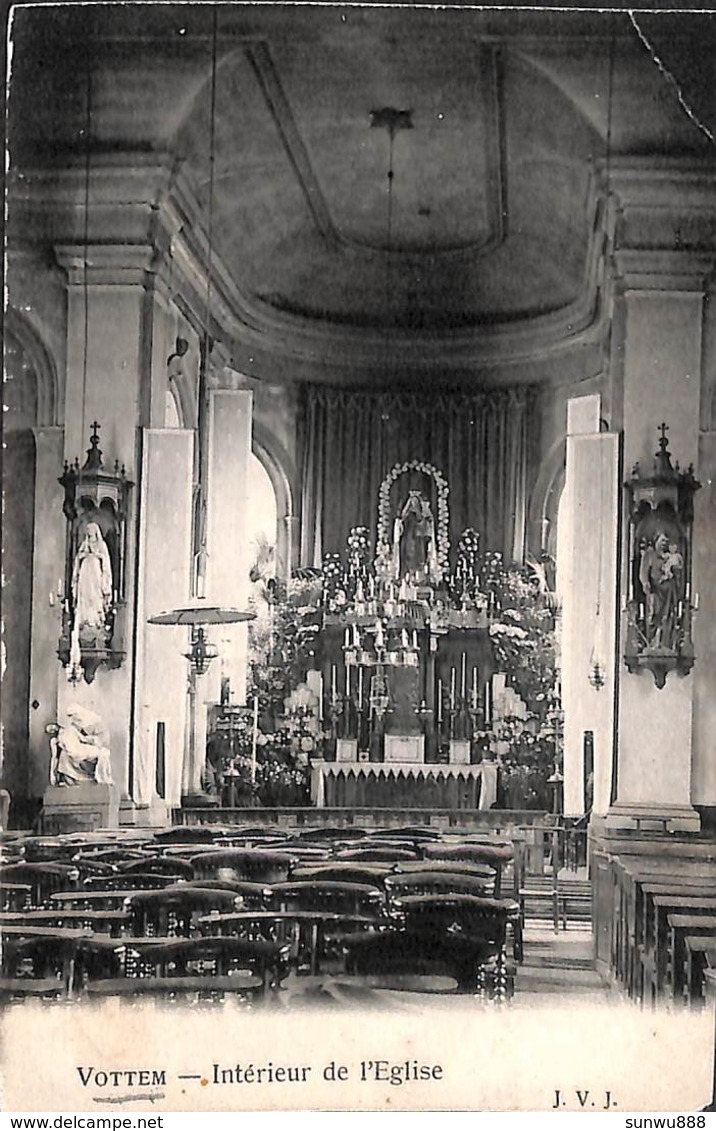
490, 220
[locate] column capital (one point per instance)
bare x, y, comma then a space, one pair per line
117, 264
650, 269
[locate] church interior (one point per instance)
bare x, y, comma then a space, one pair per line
359, 584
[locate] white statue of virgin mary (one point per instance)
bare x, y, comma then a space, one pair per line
91, 585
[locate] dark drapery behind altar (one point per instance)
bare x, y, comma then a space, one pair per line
484, 444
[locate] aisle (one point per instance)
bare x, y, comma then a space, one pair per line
559, 964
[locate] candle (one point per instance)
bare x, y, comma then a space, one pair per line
440, 700
488, 701
695, 603
474, 689
404, 639
59, 588
356, 636
452, 689
360, 688
348, 681
415, 640
463, 675
320, 697
333, 682
52, 600
254, 739
347, 638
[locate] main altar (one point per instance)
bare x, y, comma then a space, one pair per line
405, 663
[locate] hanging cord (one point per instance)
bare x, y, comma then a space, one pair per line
85, 283
389, 246
204, 359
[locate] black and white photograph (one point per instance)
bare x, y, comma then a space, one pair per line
358, 559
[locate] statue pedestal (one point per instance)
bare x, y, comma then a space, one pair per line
79, 808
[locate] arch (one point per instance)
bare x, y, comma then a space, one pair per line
544, 500
19, 327
281, 471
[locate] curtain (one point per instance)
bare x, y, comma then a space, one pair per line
483, 443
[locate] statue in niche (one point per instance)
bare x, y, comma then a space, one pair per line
92, 588
661, 574
414, 537
79, 752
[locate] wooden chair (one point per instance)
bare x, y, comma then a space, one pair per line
208, 956
174, 911
38, 965
497, 855
175, 866
468, 916
252, 895
257, 865
377, 854
399, 884
476, 965
330, 895
43, 878
343, 871
128, 881
15, 897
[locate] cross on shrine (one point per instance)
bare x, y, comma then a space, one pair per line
663, 428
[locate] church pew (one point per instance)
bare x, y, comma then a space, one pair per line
681, 925
662, 885
654, 953
700, 956
627, 871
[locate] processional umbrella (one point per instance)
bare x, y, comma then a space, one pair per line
197, 614
200, 612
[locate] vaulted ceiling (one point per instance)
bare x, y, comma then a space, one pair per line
489, 218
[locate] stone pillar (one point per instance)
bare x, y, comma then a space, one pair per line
229, 554
662, 358
108, 388
588, 583
163, 582
48, 572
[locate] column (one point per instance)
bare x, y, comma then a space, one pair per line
229, 554
163, 583
662, 358
588, 581
48, 570
107, 386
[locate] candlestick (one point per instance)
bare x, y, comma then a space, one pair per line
463, 675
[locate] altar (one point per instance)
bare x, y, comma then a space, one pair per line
405, 659
401, 785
